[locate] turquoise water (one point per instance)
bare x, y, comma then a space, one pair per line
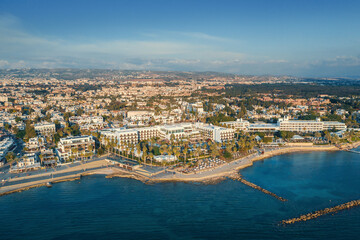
99, 208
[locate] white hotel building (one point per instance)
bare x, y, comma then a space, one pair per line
285, 124
308, 125
192, 132
239, 124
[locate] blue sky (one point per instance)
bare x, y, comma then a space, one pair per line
296, 37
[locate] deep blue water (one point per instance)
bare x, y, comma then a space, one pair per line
100, 208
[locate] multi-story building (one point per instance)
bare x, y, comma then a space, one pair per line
262, 127
147, 133
48, 158
216, 133
285, 124
239, 124
330, 125
29, 161
35, 144
196, 107
300, 125
121, 136
309, 125
6, 145
86, 119
45, 129
171, 132
75, 147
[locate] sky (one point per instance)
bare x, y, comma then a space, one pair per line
310, 38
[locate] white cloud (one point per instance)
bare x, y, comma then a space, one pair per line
159, 50
4, 64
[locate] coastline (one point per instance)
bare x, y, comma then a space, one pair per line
234, 171
209, 176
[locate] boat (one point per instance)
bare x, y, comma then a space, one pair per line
48, 184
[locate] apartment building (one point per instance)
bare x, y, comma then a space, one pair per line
45, 129
29, 161
35, 144
75, 147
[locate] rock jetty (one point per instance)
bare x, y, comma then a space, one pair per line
325, 211
240, 179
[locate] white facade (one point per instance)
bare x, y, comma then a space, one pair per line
45, 128
5, 146
216, 133
28, 161
75, 147
287, 125
329, 125
239, 124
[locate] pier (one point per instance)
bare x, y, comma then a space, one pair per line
240, 179
325, 211
353, 151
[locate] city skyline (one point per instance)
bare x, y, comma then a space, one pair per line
300, 38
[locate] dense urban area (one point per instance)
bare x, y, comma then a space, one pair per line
186, 121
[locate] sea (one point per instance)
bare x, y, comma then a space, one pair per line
119, 208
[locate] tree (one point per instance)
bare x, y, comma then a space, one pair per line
138, 150
74, 152
41, 158
29, 131
214, 150
151, 156
163, 149
317, 134
185, 150
7, 126
91, 151
10, 157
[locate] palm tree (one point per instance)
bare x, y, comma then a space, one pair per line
176, 153
144, 156
41, 158
214, 150
116, 144
162, 149
185, 150
151, 156
145, 153
127, 149
138, 150
91, 151
74, 152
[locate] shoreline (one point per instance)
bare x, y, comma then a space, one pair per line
228, 172
233, 171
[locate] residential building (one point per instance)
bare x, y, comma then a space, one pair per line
45, 129
75, 147
29, 161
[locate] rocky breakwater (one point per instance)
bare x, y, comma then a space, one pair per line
237, 177
325, 211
